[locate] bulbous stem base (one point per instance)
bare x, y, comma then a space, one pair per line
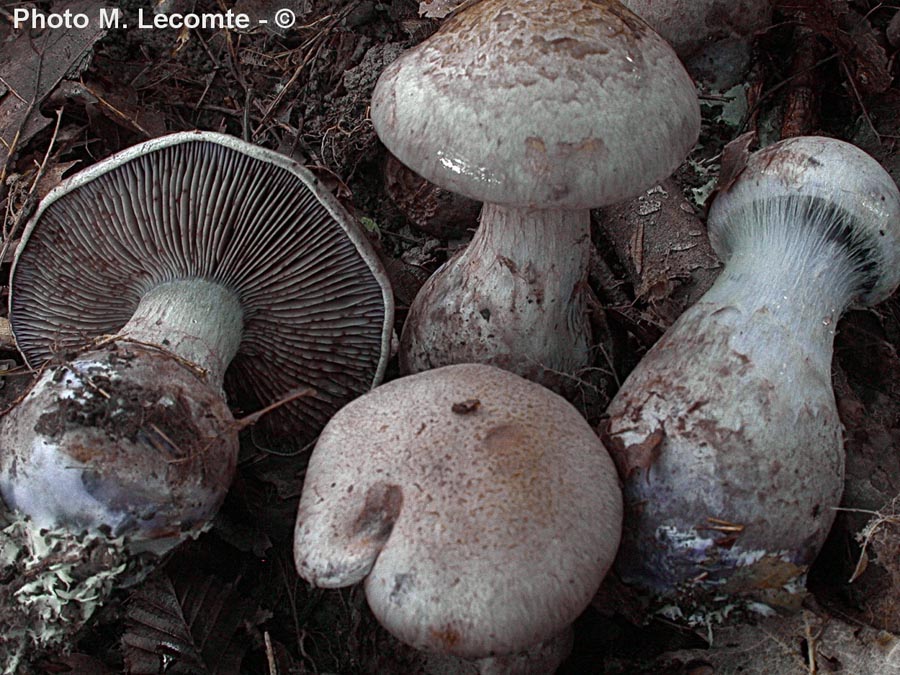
124, 439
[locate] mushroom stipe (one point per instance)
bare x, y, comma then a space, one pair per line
541, 110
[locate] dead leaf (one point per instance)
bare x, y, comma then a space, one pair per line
120, 105
52, 177
438, 9
441, 9
191, 622
34, 63
734, 159
630, 458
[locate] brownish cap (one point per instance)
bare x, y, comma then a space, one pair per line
317, 306
546, 103
480, 508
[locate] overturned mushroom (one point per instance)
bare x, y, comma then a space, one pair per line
541, 110
480, 509
192, 254
727, 432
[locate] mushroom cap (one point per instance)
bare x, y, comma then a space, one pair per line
317, 305
481, 508
548, 103
688, 25
839, 186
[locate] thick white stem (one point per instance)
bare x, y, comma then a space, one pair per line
727, 431
779, 314
199, 321
514, 298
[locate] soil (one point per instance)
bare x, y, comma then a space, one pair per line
230, 602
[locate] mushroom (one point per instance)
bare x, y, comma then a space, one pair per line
137, 283
480, 509
541, 110
691, 25
727, 433
711, 36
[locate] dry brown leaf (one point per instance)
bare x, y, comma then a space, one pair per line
440, 9
734, 158
630, 458
33, 64
121, 105
52, 177
193, 622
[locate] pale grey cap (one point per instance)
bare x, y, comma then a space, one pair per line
839, 187
689, 25
480, 508
546, 103
317, 305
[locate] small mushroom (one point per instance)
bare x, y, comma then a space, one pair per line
727, 433
480, 509
541, 110
151, 273
691, 25
712, 37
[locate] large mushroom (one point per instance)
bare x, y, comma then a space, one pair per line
480, 509
136, 284
727, 433
541, 110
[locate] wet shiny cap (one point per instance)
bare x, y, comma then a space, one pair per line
860, 203
546, 103
316, 303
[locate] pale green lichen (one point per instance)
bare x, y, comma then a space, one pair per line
51, 583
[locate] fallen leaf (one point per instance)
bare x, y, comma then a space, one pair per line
630, 458
52, 177
734, 158
119, 104
34, 63
437, 9
187, 622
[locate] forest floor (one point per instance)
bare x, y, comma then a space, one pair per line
231, 601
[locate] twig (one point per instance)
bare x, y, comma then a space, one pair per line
776, 88
315, 44
270, 654
9, 234
859, 100
115, 110
811, 641
253, 418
